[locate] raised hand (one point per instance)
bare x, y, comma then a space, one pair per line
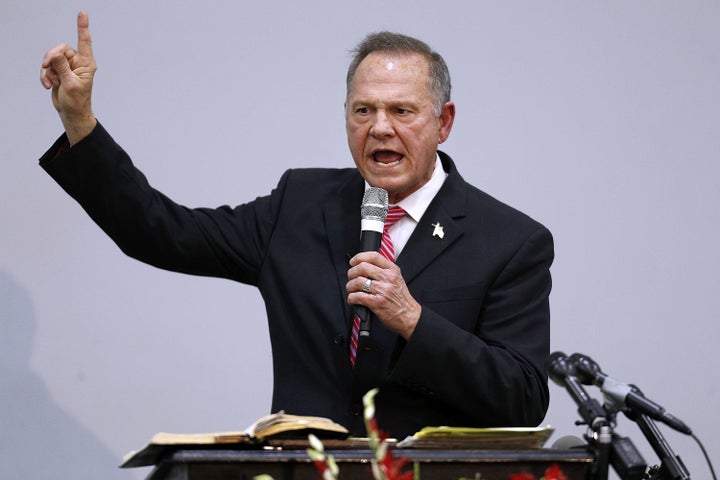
69, 73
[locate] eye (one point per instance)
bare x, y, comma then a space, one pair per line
361, 110
402, 111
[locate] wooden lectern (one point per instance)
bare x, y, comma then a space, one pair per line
236, 464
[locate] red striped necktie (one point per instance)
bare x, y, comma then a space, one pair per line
387, 250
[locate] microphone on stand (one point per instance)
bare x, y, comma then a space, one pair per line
562, 371
623, 395
373, 212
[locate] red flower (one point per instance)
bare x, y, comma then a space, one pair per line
373, 424
553, 472
321, 466
392, 467
522, 476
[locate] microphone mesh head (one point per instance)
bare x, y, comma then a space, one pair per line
568, 441
375, 204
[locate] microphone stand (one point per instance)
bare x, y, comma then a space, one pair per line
618, 451
625, 459
612, 449
562, 371
600, 422
604, 436
622, 454
671, 466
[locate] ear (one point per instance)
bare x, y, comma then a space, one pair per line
446, 119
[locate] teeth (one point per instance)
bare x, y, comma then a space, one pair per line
387, 158
391, 164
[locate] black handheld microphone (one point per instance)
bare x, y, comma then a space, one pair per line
623, 395
373, 212
562, 371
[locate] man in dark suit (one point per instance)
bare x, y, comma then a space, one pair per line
460, 314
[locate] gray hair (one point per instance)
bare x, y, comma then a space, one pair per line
439, 78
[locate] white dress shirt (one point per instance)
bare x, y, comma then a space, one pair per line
415, 205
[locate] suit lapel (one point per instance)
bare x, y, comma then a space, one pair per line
342, 224
438, 228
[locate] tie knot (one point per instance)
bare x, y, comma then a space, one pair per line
394, 214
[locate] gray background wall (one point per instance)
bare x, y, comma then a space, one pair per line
600, 119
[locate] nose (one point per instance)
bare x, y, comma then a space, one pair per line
382, 125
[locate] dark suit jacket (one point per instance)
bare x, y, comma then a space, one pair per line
476, 357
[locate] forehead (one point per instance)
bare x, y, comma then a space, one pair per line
384, 70
394, 61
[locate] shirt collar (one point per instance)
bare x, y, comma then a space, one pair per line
417, 202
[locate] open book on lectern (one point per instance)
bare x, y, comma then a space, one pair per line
278, 425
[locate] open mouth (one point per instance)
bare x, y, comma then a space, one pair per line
387, 158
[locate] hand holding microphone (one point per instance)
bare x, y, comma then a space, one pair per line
373, 211
375, 280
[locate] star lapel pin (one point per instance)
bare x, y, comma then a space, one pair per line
438, 231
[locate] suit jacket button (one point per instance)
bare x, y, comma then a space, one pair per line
339, 339
354, 410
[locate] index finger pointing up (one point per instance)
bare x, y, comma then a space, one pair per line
84, 46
